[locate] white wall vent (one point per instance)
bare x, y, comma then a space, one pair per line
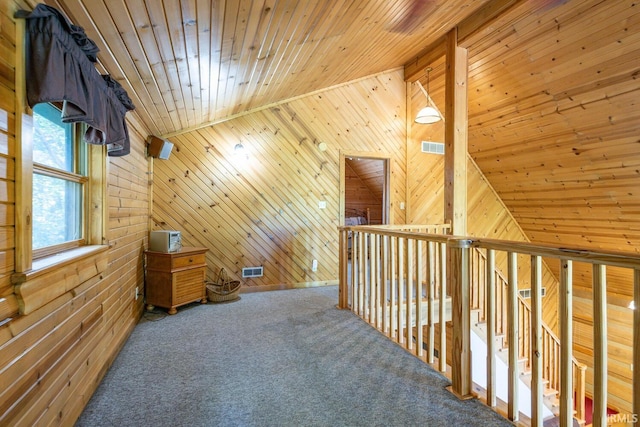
252, 271
433, 147
526, 293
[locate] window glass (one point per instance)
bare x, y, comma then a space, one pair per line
59, 178
56, 211
52, 140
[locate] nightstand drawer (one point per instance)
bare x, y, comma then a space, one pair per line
187, 261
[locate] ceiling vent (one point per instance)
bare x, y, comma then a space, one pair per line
249, 272
433, 147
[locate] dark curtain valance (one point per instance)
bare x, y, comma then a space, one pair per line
60, 68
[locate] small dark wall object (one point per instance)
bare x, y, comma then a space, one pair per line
159, 148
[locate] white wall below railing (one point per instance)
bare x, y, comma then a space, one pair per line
479, 376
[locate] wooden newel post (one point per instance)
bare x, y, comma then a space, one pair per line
458, 281
343, 287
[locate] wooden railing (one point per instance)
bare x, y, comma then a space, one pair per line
550, 358
392, 270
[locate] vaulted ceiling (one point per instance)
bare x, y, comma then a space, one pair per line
553, 84
554, 118
187, 63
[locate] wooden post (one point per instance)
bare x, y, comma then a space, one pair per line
354, 272
599, 345
512, 336
636, 346
461, 383
386, 284
409, 261
581, 387
455, 136
393, 287
565, 311
491, 327
537, 349
379, 285
419, 279
361, 275
431, 260
401, 297
373, 276
343, 288
442, 355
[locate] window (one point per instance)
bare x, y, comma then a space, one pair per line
59, 182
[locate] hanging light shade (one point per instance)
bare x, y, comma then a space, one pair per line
428, 114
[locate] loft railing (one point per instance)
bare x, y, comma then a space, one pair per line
487, 296
392, 270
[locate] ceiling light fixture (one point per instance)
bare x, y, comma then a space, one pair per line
428, 114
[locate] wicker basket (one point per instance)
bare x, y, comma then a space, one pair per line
224, 289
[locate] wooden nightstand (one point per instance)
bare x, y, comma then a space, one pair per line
176, 278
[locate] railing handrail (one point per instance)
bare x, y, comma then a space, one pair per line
528, 307
610, 258
397, 260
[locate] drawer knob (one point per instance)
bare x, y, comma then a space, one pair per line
190, 259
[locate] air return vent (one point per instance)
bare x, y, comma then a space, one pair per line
432, 147
526, 293
252, 271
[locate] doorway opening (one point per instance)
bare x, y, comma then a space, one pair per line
364, 189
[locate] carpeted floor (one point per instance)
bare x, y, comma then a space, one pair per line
282, 358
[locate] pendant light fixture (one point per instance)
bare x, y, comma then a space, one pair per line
428, 114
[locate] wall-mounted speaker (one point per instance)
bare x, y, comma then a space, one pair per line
159, 148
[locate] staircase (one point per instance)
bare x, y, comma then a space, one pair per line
395, 278
551, 343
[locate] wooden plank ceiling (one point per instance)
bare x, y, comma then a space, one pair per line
554, 120
188, 63
553, 89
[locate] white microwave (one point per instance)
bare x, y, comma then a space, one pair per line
165, 241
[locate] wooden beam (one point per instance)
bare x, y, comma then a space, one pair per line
414, 69
408, 123
483, 18
474, 23
455, 136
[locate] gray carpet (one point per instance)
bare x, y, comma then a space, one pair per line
282, 358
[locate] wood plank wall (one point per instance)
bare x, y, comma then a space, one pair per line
556, 134
52, 360
553, 127
262, 209
487, 215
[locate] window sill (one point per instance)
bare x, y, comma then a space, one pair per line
55, 275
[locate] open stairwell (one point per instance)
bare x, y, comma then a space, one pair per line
395, 278
550, 342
